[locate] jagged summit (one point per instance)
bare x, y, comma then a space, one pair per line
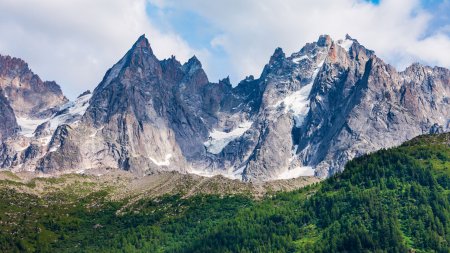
277, 56
142, 42
29, 96
192, 65
324, 41
194, 61
348, 37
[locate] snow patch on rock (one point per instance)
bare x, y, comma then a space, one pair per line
166, 161
68, 113
28, 126
298, 59
231, 174
218, 140
297, 172
345, 44
297, 103
74, 110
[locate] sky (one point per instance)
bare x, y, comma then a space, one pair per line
74, 42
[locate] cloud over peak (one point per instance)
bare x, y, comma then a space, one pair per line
75, 41
249, 30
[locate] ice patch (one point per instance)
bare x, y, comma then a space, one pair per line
297, 172
54, 149
203, 173
166, 161
28, 126
345, 44
297, 60
75, 109
297, 103
237, 174
218, 140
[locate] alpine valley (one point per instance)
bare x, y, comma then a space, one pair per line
329, 150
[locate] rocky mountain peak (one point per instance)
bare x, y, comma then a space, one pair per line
12, 66
277, 56
192, 65
194, 74
307, 113
27, 94
324, 41
141, 56
87, 92
418, 70
226, 81
143, 44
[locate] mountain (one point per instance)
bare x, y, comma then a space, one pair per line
28, 95
307, 114
360, 104
393, 200
25, 102
24, 97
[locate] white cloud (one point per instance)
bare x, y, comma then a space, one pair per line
75, 41
250, 30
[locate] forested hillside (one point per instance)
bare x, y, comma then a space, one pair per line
394, 200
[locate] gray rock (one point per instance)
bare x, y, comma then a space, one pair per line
8, 123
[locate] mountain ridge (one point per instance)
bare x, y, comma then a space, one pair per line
307, 114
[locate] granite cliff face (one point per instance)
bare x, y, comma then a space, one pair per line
8, 123
307, 114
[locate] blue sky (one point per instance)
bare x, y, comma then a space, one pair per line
75, 41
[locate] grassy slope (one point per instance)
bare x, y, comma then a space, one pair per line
394, 200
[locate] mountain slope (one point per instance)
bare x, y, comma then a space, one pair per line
394, 200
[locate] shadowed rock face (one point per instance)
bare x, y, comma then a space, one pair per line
8, 123
308, 113
28, 95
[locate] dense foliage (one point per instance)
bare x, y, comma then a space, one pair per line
394, 200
